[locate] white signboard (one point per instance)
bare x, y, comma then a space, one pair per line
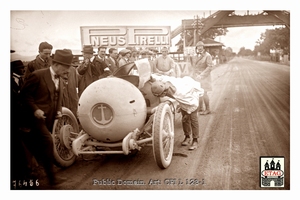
189, 51
124, 36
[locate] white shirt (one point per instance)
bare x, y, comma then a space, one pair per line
55, 80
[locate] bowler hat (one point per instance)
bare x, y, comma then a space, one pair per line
63, 57
16, 64
88, 49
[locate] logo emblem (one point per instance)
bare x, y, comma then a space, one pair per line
272, 171
102, 113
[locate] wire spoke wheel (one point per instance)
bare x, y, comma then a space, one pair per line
163, 136
65, 130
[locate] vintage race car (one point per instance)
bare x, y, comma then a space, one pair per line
117, 115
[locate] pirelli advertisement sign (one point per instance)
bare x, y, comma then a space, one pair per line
123, 36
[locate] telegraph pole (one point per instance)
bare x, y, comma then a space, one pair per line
197, 25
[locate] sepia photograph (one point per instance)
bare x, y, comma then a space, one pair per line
188, 99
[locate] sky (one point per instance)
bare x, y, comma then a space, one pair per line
61, 28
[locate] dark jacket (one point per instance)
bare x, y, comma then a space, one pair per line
113, 66
85, 78
70, 95
98, 67
36, 64
38, 92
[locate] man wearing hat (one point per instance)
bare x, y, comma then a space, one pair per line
186, 92
202, 66
85, 69
41, 95
133, 56
125, 55
19, 162
43, 60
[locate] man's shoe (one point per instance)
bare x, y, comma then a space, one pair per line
204, 112
194, 145
186, 141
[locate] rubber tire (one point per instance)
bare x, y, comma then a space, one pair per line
163, 120
67, 158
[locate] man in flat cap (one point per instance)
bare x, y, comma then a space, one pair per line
202, 67
43, 60
125, 55
41, 95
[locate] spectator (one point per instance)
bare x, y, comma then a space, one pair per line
202, 66
42, 98
186, 92
147, 54
133, 57
100, 68
19, 162
111, 61
70, 94
164, 64
85, 69
125, 55
43, 60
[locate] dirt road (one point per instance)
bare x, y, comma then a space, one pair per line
250, 118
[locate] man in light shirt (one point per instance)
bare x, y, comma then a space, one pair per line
186, 91
164, 64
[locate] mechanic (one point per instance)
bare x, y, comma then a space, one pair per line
202, 66
186, 92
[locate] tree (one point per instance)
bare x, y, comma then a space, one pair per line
278, 38
245, 52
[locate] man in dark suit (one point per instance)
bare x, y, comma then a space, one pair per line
43, 60
19, 169
111, 61
42, 97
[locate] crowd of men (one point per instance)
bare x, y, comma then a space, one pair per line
48, 83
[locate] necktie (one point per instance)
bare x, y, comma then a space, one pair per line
56, 76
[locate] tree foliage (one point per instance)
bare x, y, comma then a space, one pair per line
278, 38
245, 52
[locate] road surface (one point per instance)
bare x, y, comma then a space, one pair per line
250, 118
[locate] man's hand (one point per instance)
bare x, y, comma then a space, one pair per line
59, 115
39, 114
152, 79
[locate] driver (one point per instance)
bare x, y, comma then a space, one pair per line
186, 92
